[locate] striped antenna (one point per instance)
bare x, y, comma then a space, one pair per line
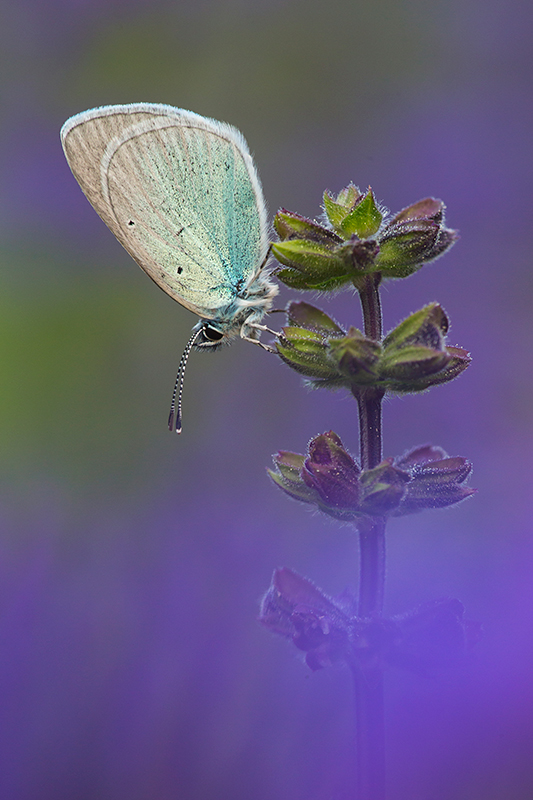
179, 383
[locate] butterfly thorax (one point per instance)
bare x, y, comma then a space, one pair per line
240, 316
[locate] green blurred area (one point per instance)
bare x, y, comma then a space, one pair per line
292, 61
83, 355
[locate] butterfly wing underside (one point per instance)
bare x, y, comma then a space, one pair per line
181, 194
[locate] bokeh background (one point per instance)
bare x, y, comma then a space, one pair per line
132, 561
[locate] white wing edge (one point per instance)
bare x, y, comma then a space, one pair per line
188, 119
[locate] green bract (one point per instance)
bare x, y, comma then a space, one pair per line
353, 213
312, 265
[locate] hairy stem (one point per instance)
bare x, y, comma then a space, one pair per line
371, 567
368, 679
370, 301
369, 402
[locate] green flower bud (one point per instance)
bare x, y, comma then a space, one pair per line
428, 326
348, 197
365, 218
304, 344
412, 357
311, 265
288, 476
289, 225
307, 316
356, 357
402, 251
415, 355
353, 213
410, 363
337, 208
306, 351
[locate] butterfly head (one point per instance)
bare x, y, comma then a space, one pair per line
214, 334
209, 334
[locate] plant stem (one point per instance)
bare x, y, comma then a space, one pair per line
370, 728
370, 301
371, 567
369, 403
368, 679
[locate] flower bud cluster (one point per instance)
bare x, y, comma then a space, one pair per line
330, 479
357, 239
411, 358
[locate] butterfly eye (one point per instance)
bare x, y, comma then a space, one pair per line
212, 334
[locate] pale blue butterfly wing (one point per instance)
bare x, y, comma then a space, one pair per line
182, 195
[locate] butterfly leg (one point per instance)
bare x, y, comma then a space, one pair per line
261, 344
264, 328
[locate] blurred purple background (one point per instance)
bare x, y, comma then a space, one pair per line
131, 561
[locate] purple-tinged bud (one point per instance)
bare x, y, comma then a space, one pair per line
330, 479
422, 455
359, 256
294, 607
332, 473
327, 477
429, 208
433, 637
383, 488
435, 479
412, 238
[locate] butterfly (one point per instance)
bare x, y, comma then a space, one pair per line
182, 195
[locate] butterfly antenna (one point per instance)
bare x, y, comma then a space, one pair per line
178, 386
